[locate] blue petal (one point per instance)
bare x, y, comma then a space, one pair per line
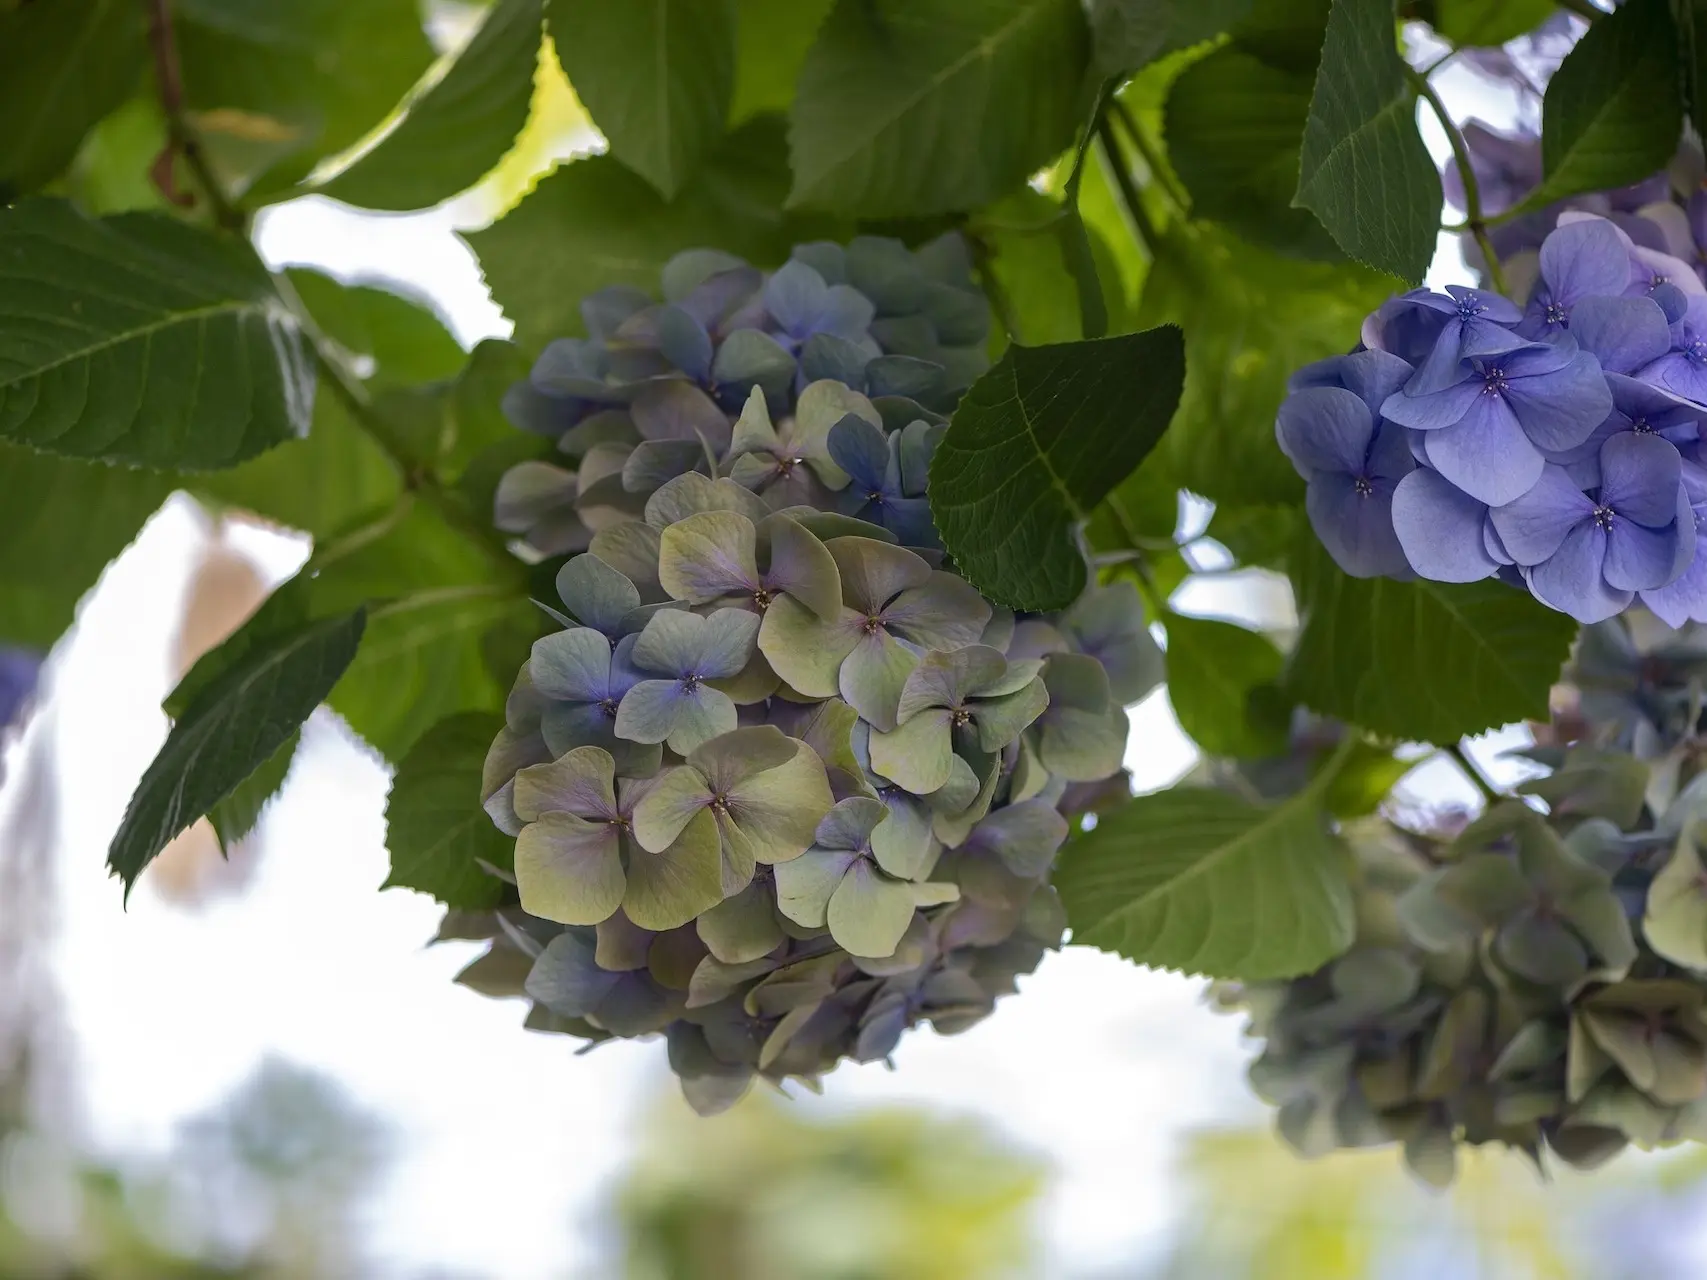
1572, 581
1324, 429
794, 296
1583, 259
1440, 529
1684, 600
1643, 559
1623, 333
861, 450
1639, 477
684, 342
1532, 527
1356, 528
1560, 407
826, 356
1486, 453
1435, 410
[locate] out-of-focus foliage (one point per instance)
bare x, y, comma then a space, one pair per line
767, 1192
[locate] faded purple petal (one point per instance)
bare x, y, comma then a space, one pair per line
1557, 407
1582, 259
1684, 600
1571, 580
1325, 429
1639, 558
1639, 477
1532, 527
1371, 376
1355, 523
1486, 453
1622, 333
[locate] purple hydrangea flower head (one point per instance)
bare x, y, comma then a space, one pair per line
1585, 258
1587, 554
1351, 462
1437, 331
1685, 600
1485, 431
1683, 368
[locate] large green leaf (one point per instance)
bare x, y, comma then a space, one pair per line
458, 126
1214, 668
1423, 661
1199, 880
61, 521
1027, 265
1489, 22
395, 337
1134, 33
231, 728
1234, 126
1364, 170
276, 86
435, 828
140, 339
239, 813
1614, 108
1251, 318
1037, 442
593, 223
63, 65
657, 76
1691, 19
927, 106
771, 40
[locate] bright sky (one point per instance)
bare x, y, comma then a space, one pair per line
507, 1139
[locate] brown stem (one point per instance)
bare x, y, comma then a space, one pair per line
181, 138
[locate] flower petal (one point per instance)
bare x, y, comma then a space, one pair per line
1533, 526
1639, 476
707, 556
804, 885
850, 823
874, 573
742, 928
807, 651
1622, 333
948, 677
794, 295
1325, 429
1486, 453
869, 911
583, 782
777, 812
1025, 836
1433, 410
572, 666
733, 758
670, 409
1684, 600
1355, 525
873, 675
1583, 258
918, 754
598, 595
1001, 720
1572, 579
1642, 559
1562, 407
861, 450
669, 888
749, 358
1439, 528
944, 613
753, 431
800, 564
568, 869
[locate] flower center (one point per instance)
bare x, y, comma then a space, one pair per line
608, 708
1470, 308
874, 495
785, 466
1555, 314
1603, 516
872, 625
690, 682
1493, 382
719, 804
1697, 351
1641, 427
960, 717
762, 599
1362, 487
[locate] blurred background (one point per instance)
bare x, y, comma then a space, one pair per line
258, 1067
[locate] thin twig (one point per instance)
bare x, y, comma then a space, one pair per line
1473, 771
1159, 171
1472, 193
1130, 196
180, 136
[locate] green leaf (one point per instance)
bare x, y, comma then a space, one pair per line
1422, 661
140, 339
111, 171
435, 828
1199, 880
1251, 318
1614, 108
458, 126
231, 728
61, 521
403, 336
1691, 19
1489, 22
910, 107
1131, 34
593, 223
1364, 780
771, 40
1234, 125
1028, 266
1037, 442
1364, 170
1213, 669
474, 416
656, 75
63, 65
276, 86
240, 812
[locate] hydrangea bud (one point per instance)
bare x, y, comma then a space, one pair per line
784, 784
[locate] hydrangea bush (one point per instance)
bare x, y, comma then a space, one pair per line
1535, 980
784, 784
1551, 439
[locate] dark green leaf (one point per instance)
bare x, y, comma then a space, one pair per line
230, 729
593, 223
1234, 125
61, 521
1423, 661
404, 337
1251, 318
1614, 108
1214, 668
63, 65
1286, 34
435, 828
911, 107
1489, 22
1364, 170
459, 126
1134, 33
1038, 441
276, 86
1364, 781
1198, 880
140, 339
1028, 265
1691, 19
771, 40
657, 76
238, 814
287, 610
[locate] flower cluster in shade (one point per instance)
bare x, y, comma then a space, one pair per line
1553, 443
783, 784
1533, 980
